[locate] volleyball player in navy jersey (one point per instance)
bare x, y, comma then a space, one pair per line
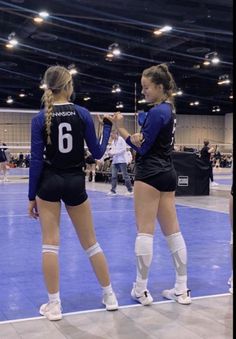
57, 174
155, 184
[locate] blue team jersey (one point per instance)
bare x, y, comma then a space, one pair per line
71, 125
158, 129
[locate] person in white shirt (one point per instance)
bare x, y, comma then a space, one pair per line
118, 154
128, 156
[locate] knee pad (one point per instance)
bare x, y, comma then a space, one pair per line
175, 242
50, 249
93, 250
178, 250
144, 244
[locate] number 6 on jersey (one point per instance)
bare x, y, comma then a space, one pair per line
65, 141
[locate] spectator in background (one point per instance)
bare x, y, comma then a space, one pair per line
129, 157
3, 161
90, 166
217, 156
118, 153
205, 155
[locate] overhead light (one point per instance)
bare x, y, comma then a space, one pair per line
211, 57
216, 109
142, 101
223, 79
44, 14
119, 105
87, 98
9, 100
72, 69
22, 95
43, 86
206, 62
116, 88
113, 51
194, 103
178, 93
163, 29
38, 19
12, 41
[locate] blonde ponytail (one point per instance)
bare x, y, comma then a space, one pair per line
48, 102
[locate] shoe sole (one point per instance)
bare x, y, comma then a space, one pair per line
188, 300
111, 308
139, 301
59, 317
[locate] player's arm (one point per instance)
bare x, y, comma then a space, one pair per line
96, 148
36, 159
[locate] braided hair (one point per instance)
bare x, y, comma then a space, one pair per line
160, 74
56, 79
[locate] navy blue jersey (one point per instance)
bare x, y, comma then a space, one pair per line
71, 125
158, 129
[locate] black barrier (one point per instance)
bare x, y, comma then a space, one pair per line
192, 174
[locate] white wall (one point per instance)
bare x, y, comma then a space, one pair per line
228, 128
193, 129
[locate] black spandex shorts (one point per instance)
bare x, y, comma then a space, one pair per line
163, 181
68, 186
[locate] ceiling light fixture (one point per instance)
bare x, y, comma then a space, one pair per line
9, 100
178, 93
72, 69
164, 29
211, 57
12, 41
142, 101
195, 103
216, 109
87, 98
44, 14
223, 79
119, 105
116, 88
113, 51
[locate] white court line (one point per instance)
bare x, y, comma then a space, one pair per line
104, 310
201, 208
65, 213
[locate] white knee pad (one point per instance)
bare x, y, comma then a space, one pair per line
93, 250
175, 242
50, 249
144, 244
231, 238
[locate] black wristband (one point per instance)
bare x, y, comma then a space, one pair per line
107, 121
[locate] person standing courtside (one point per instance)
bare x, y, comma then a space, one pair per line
205, 153
57, 174
118, 154
155, 184
3, 161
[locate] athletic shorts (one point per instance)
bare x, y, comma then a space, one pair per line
163, 181
66, 186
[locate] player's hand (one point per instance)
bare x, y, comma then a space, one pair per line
118, 120
32, 209
99, 118
137, 139
109, 117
